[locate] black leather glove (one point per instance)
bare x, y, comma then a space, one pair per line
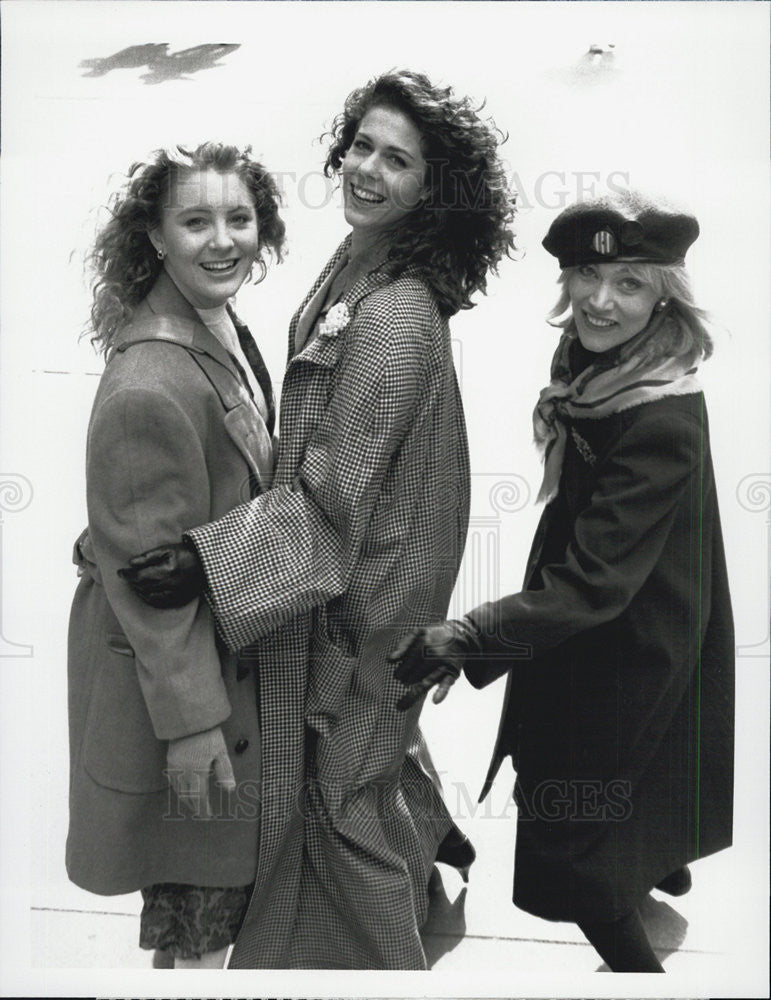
167, 577
433, 655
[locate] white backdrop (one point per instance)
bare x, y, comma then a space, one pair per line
680, 103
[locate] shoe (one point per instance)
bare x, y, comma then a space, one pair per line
457, 851
676, 884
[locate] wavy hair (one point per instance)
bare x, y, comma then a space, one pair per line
462, 229
123, 261
688, 337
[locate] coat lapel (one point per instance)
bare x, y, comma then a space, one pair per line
330, 266
166, 315
324, 349
250, 435
310, 312
258, 366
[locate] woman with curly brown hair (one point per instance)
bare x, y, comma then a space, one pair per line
361, 535
180, 431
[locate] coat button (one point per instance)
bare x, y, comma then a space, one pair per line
241, 745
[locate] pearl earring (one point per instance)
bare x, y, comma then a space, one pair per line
161, 255
662, 304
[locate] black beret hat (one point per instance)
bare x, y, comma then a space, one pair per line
626, 225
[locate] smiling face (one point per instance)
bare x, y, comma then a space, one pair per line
383, 172
611, 303
209, 235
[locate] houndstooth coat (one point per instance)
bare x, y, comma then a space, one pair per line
360, 537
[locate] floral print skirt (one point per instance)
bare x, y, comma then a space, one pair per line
187, 921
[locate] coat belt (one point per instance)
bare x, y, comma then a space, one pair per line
84, 558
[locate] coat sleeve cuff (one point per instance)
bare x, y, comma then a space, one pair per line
490, 660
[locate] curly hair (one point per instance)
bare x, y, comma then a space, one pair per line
463, 228
123, 261
687, 337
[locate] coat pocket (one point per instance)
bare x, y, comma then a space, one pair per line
120, 749
330, 674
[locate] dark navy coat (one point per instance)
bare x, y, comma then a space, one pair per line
620, 702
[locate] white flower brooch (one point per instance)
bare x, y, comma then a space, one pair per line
337, 319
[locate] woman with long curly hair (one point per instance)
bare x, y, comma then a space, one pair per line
361, 535
180, 431
619, 710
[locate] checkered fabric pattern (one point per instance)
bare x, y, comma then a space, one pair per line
360, 537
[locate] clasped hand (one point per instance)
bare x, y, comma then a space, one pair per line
432, 656
166, 577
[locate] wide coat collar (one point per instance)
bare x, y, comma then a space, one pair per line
324, 349
166, 315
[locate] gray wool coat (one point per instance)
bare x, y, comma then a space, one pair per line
172, 441
360, 537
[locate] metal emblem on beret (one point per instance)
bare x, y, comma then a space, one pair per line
604, 242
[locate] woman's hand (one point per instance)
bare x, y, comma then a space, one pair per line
432, 656
167, 577
190, 761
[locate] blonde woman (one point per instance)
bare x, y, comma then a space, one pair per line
619, 651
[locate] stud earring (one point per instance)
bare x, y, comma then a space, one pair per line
662, 304
161, 255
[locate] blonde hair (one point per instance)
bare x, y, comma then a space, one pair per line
687, 338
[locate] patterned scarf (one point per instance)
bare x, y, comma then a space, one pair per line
618, 381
